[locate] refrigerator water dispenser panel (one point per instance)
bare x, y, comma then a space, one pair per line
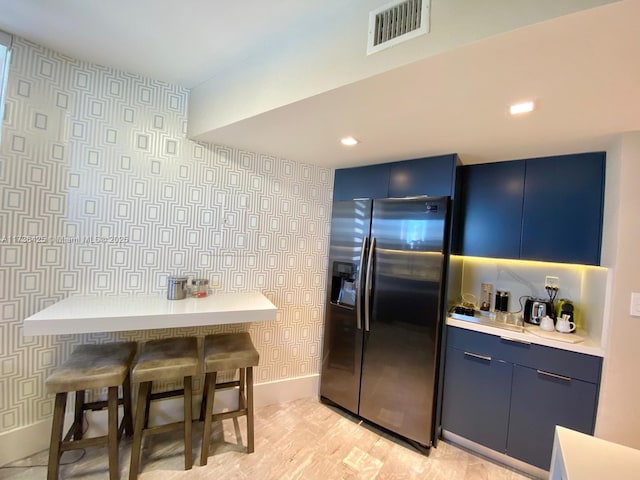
343, 284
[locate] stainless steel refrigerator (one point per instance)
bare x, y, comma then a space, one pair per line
387, 262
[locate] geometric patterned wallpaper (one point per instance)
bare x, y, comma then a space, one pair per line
102, 193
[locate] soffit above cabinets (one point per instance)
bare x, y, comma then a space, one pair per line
581, 70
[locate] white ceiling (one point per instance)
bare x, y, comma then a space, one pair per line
582, 70
181, 42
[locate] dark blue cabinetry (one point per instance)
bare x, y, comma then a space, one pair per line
478, 393
371, 181
547, 209
434, 176
563, 208
540, 400
490, 380
492, 195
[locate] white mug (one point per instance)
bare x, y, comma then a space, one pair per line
546, 324
565, 326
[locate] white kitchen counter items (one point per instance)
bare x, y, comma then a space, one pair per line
92, 314
587, 346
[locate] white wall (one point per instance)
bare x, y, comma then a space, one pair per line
619, 408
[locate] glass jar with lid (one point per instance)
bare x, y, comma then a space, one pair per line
200, 288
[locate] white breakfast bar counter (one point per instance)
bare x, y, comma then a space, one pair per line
93, 314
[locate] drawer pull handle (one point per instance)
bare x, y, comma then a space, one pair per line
509, 339
481, 357
554, 375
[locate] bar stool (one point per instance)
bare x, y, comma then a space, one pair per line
159, 361
233, 351
91, 367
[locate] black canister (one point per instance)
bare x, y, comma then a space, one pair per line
502, 301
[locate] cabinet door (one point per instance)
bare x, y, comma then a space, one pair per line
492, 204
540, 401
476, 397
432, 176
361, 182
563, 208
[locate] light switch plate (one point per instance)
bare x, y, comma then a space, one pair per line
635, 304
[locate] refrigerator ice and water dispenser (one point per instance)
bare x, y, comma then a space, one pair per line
343, 284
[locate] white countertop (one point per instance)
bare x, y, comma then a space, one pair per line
577, 456
91, 314
588, 346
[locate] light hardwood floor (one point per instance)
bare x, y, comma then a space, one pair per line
304, 439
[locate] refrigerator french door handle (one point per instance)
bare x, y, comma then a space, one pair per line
359, 287
367, 292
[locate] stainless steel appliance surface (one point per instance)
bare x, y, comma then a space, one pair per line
381, 346
535, 309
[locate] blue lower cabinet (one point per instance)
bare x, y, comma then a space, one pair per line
541, 400
509, 396
476, 397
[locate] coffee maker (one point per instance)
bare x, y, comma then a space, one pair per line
565, 307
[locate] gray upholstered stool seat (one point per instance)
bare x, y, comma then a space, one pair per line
91, 367
163, 360
233, 351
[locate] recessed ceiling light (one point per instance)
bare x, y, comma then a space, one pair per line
522, 107
349, 141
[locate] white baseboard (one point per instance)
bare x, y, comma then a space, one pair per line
24, 441
30, 439
496, 456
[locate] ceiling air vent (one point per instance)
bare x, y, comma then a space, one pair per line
397, 22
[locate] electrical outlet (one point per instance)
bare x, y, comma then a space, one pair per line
551, 282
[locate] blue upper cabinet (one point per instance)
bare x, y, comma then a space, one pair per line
492, 196
371, 181
563, 208
432, 176
547, 209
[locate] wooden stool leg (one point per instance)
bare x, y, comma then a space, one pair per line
242, 382
188, 418
206, 430
56, 436
141, 415
147, 407
126, 406
112, 433
79, 415
205, 389
250, 410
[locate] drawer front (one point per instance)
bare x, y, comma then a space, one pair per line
538, 404
550, 360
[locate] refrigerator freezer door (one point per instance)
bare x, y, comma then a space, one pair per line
400, 350
342, 349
